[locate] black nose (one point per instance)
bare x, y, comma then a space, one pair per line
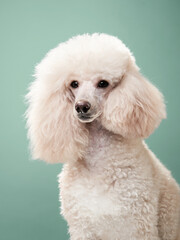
82, 106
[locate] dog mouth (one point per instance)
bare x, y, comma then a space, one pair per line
85, 118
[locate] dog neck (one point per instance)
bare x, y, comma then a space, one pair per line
106, 148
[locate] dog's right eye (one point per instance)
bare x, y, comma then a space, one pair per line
74, 84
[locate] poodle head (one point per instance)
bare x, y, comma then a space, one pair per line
88, 78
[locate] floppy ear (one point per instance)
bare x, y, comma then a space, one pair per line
134, 108
55, 135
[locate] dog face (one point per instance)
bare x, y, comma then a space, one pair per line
94, 74
89, 97
86, 78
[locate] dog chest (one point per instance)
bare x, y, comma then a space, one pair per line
111, 210
88, 195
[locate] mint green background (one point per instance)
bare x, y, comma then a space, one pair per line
29, 207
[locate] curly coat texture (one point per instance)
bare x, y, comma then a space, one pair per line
112, 186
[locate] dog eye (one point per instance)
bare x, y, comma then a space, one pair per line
102, 84
74, 84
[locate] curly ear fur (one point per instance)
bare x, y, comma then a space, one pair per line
55, 135
134, 108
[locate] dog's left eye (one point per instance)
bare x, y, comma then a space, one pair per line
102, 84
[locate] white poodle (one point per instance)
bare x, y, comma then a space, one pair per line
90, 108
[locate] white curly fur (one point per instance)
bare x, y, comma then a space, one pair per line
112, 186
